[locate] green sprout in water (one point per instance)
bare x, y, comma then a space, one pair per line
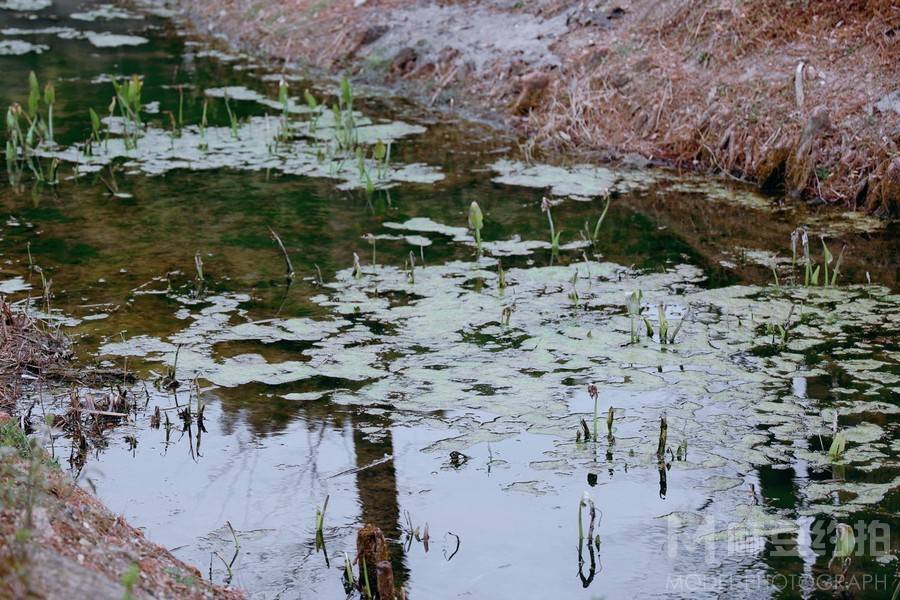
232, 119
314, 108
95, 125
636, 315
837, 265
776, 330
593, 236
811, 270
20, 146
229, 565
53, 172
14, 144
811, 275
49, 100
682, 450
198, 264
838, 445
573, 295
284, 100
349, 579
345, 132
357, 268
476, 222
111, 110
382, 155
663, 323
364, 170
26, 129
781, 330
633, 306
34, 95
546, 205
177, 120
203, 125
845, 541
320, 525
128, 100
129, 96
367, 589
180, 108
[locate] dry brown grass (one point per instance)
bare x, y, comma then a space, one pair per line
712, 85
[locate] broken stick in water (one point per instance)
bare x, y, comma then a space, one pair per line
663, 430
284, 252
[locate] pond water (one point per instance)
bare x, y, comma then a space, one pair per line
432, 387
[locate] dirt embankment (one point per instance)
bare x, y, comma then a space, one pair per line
801, 97
57, 541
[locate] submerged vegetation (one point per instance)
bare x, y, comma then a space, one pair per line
320, 525
812, 270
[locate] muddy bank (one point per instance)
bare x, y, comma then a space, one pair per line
800, 99
56, 539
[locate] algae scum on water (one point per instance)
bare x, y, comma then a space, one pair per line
342, 313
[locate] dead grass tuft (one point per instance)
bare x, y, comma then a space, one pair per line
28, 347
742, 88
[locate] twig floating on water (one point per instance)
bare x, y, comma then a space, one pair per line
380, 461
452, 554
